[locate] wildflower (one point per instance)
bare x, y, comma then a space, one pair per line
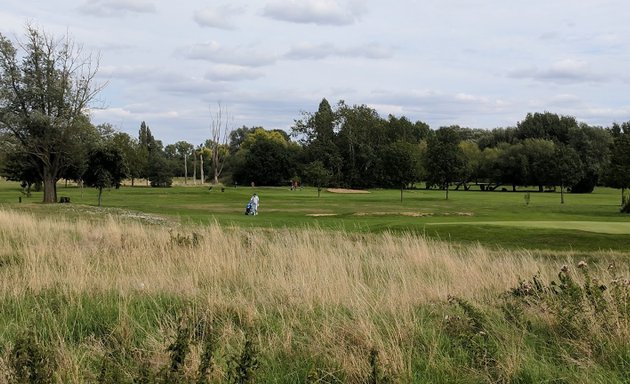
611, 266
582, 264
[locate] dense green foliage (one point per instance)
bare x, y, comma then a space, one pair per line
46, 85
105, 169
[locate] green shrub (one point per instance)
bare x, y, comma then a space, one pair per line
242, 368
30, 361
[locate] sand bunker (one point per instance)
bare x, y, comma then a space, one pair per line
343, 190
413, 214
321, 214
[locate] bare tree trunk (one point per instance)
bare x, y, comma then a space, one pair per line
50, 186
100, 195
194, 169
401, 194
561, 193
220, 122
185, 169
201, 168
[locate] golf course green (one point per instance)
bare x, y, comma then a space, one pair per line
584, 223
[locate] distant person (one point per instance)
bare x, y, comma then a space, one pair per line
254, 204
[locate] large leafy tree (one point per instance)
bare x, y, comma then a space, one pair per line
237, 138
361, 136
593, 146
401, 165
546, 125
540, 162
265, 158
146, 150
401, 129
512, 165
445, 160
567, 167
105, 169
46, 86
472, 154
317, 132
489, 167
317, 175
617, 174
180, 154
18, 166
151, 159
129, 148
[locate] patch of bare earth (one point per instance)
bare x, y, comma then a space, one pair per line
321, 214
413, 214
343, 190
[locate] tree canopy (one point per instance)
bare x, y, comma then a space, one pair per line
46, 86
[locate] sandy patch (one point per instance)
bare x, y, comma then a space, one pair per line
412, 214
343, 190
321, 214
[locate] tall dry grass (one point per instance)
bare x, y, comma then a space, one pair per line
260, 267
304, 278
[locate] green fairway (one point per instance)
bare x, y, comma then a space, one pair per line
613, 228
588, 222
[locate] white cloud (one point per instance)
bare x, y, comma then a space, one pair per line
114, 8
224, 72
214, 52
268, 60
320, 12
217, 17
563, 71
306, 51
565, 99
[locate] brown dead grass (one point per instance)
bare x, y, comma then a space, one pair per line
304, 278
303, 267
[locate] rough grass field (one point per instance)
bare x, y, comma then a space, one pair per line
178, 285
119, 300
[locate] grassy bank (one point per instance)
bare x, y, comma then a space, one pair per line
119, 300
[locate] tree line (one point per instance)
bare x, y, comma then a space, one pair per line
46, 85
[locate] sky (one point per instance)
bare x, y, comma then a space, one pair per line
474, 63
